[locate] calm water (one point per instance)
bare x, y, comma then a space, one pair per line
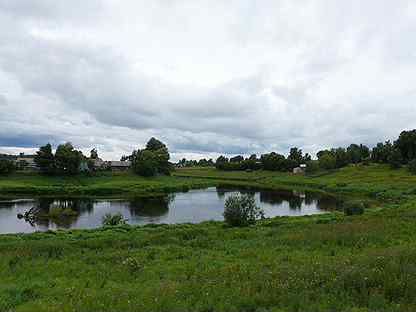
193, 206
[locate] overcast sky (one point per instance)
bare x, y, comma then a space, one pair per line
206, 77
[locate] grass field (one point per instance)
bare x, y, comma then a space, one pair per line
322, 263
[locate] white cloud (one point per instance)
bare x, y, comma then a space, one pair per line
208, 78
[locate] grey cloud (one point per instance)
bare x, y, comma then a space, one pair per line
254, 77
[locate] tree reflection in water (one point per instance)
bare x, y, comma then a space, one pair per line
44, 206
150, 207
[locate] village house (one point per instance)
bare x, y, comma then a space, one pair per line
300, 170
119, 165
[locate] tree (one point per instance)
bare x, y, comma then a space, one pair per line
7, 166
145, 163
45, 159
94, 154
67, 159
341, 157
327, 161
381, 152
154, 145
274, 161
395, 159
237, 159
295, 156
154, 159
406, 143
412, 166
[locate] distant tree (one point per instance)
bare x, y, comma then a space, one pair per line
327, 161
67, 159
274, 161
295, 156
306, 158
412, 166
357, 153
154, 145
238, 158
395, 159
381, 152
45, 159
7, 166
406, 143
154, 159
94, 154
312, 166
341, 157
146, 163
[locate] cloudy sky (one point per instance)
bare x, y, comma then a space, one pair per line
206, 77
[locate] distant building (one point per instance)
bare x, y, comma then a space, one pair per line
300, 170
26, 162
120, 165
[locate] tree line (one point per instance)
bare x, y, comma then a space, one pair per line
400, 152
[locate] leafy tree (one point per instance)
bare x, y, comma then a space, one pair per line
407, 145
146, 163
341, 157
45, 159
274, 161
395, 159
7, 166
295, 156
412, 166
241, 210
312, 166
381, 152
67, 159
94, 154
327, 161
154, 159
238, 158
154, 145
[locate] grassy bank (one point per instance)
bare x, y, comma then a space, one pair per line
105, 184
320, 263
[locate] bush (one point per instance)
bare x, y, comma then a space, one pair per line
241, 210
312, 166
113, 220
353, 208
412, 166
7, 166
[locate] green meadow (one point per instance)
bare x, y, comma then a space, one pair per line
329, 262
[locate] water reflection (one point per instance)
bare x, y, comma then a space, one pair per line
193, 206
150, 207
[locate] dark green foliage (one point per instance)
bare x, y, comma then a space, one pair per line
94, 154
154, 145
406, 143
67, 159
295, 158
327, 161
312, 166
412, 166
145, 163
274, 161
241, 210
395, 159
7, 166
357, 153
45, 159
113, 219
381, 152
154, 159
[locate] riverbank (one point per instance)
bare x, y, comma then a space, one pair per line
325, 262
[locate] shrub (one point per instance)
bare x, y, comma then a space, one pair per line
312, 166
353, 208
7, 166
113, 220
241, 210
412, 166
